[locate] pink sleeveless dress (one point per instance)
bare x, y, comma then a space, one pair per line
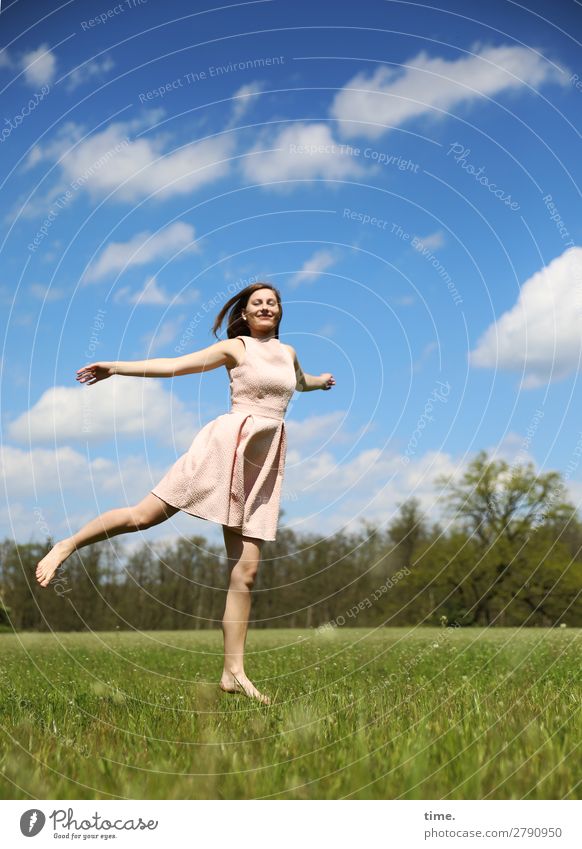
233, 471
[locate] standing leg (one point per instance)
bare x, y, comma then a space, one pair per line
150, 511
244, 554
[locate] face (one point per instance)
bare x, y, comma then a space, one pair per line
262, 312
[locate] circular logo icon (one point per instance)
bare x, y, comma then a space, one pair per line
32, 822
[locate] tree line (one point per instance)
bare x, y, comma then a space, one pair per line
508, 554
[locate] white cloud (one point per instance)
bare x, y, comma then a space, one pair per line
425, 355
39, 66
162, 335
243, 99
42, 470
542, 333
328, 330
114, 408
111, 161
141, 249
318, 431
369, 486
151, 294
433, 240
513, 449
370, 105
154, 295
313, 267
46, 293
404, 301
71, 475
55, 492
6, 295
40, 203
6, 60
69, 134
141, 168
65, 488
68, 186
284, 157
15, 521
90, 71
33, 158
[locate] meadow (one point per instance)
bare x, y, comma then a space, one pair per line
388, 713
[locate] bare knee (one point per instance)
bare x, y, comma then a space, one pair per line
244, 574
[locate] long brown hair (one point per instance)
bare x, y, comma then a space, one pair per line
236, 325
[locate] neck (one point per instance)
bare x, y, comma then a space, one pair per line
264, 338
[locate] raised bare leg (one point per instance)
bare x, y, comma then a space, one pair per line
150, 511
244, 554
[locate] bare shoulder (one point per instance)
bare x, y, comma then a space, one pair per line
235, 351
291, 350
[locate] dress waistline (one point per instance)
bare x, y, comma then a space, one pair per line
257, 409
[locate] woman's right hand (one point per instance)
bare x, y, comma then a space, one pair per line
95, 372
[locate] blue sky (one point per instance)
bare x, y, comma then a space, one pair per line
408, 176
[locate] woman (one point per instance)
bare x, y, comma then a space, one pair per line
233, 471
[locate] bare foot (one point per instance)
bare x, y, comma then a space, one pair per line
231, 683
50, 563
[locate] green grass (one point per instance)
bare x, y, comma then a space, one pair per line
387, 714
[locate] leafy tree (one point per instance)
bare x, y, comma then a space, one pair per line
407, 530
492, 501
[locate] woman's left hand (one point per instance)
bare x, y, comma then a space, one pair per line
327, 380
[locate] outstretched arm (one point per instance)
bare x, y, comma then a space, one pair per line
309, 382
206, 359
